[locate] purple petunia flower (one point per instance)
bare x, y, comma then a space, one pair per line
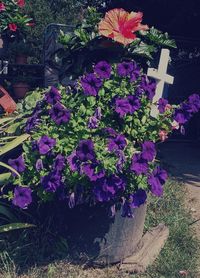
181, 115
156, 180
118, 143
103, 69
52, 96
122, 106
148, 87
91, 84
22, 197
134, 103
31, 123
126, 208
162, 103
91, 170
135, 74
139, 198
134, 201
45, 144
18, 164
148, 151
39, 165
73, 161
194, 103
93, 122
125, 69
85, 150
51, 182
59, 114
107, 188
110, 131
139, 165
59, 163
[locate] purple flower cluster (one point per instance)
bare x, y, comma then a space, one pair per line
22, 197
128, 69
139, 163
45, 144
91, 84
127, 105
92, 172
18, 164
117, 143
59, 114
53, 180
133, 201
187, 109
156, 181
53, 96
84, 153
34, 119
147, 87
103, 69
107, 188
162, 103
85, 150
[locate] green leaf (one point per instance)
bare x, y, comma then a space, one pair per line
9, 168
12, 128
159, 38
6, 119
15, 226
14, 143
145, 50
4, 178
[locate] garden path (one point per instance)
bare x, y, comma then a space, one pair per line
183, 162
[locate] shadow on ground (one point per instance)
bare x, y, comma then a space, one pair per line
183, 161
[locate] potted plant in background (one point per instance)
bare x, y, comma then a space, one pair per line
92, 147
14, 23
20, 51
21, 85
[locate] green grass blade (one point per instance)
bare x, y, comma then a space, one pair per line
9, 168
6, 119
15, 226
14, 143
4, 178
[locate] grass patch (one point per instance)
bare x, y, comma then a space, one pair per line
179, 253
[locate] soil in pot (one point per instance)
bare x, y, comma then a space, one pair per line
20, 89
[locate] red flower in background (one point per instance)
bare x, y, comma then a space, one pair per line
2, 7
120, 25
12, 27
21, 3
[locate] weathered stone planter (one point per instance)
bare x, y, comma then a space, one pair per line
100, 239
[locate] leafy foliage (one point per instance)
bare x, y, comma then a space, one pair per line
13, 20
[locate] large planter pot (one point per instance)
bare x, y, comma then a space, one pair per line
90, 232
20, 89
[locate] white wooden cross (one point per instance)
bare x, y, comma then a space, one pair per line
162, 77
